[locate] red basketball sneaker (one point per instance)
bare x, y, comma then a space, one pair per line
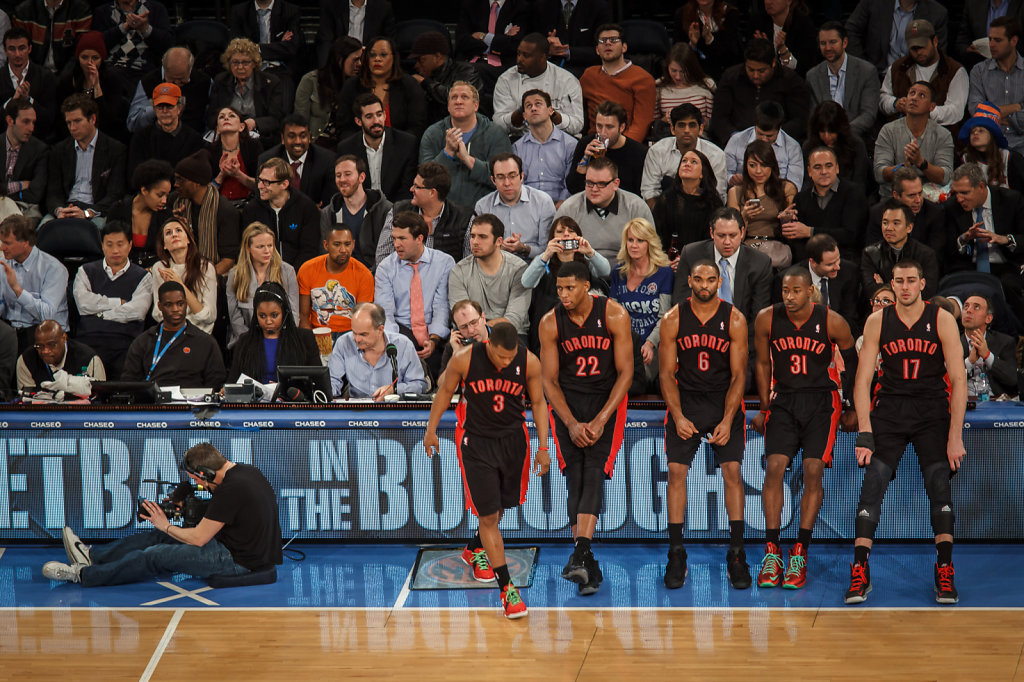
512, 602
796, 574
477, 560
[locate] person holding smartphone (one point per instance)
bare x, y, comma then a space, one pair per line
469, 324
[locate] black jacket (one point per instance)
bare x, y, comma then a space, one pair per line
580, 34
437, 85
929, 225
153, 143
379, 20
284, 17
375, 213
397, 168
801, 38
267, 97
317, 179
196, 93
843, 217
736, 99
309, 357
879, 259
193, 361
42, 88
473, 18
30, 166
407, 106
107, 173
629, 158
297, 226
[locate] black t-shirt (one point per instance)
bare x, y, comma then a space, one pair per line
247, 506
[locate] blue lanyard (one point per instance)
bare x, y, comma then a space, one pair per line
158, 353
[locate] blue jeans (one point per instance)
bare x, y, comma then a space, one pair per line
137, 557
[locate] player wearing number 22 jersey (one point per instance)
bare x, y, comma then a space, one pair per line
492, 442
702, 362
586, 350
800, 410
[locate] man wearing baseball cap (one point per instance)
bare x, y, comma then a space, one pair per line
925, 61
436, 71
168, 139
877, 28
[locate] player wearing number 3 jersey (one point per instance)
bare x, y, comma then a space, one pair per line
491, 441
702, 380
586, 350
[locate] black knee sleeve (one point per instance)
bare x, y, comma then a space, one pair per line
592, 492
936, 484
877, 476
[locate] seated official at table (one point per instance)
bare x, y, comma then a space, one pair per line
57, 363
273, 338
360, 359
469, 324
174, 352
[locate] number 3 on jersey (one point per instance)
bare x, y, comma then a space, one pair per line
583, 362
499, 403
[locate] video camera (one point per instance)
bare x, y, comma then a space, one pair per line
182, 504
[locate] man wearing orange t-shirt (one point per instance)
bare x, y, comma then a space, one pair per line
331, 285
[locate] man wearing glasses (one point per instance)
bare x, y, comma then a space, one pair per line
526, 212
469, 324
292, 215
59, 364
616, 79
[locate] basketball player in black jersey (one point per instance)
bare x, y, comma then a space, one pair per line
586, 350
703, 365
491, 438
800, 409
921, 399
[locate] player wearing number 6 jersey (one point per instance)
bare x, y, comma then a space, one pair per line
921, 399
703, 374
491, 438
586, 350
800, 409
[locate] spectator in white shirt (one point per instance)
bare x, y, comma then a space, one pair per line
662, 162
534, 71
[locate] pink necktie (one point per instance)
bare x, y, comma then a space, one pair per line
492, 25
417, 318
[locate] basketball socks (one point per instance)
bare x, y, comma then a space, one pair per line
804, 537
772, 535
675, 535
474, 544
861, 552
582, 546
502, 576
945, 553
736, 534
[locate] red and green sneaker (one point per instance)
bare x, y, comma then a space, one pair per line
512, 602
477, 560
796, 574
771, 568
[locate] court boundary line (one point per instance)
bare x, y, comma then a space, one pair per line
162, 645
403, 595
370, 609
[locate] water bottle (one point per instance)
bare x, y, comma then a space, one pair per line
983, 388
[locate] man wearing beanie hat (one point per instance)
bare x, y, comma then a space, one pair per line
213, 219
1000, 81
436, 71
168, 139
925, 61
86, 170
55, 31
136, 33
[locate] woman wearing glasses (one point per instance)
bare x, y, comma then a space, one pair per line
257, 95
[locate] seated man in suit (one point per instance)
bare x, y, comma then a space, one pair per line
987, 353
29, 80
169, 138
26, 181
877, 32
176, 67
389, 154
312, 165
86, 170
878, 259
362, 212
929, 218
985, 230
836, 281
175, 352
60, 365
278, 34
746, 273
33, 285
361, 19
828, 205
571, 27
489, 37
361, 363
847, 80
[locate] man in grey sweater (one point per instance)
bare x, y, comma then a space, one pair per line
914, 140
602, 209
492, 276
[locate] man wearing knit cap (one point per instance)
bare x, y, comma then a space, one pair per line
169, 138
437, 71
214, 221
86, 170
136, 33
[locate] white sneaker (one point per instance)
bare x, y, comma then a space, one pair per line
55, 570
77, 552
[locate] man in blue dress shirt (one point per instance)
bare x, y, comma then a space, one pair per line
35, 284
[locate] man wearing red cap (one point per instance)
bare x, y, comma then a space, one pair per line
169, 139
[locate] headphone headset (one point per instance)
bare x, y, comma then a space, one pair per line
203, 473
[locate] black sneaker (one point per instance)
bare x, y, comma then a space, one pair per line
594, 577
860, 583
576, 569
945, 590
675, 571
739, 572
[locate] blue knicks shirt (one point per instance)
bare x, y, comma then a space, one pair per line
643, 304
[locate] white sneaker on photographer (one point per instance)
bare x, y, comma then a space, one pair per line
55, 570
76, 550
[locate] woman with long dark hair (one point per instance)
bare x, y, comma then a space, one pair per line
711, 29
234, 156
146, 210
319, 91
405, 105
830, 126
982, 141
179, 261
683, 82
763, 198
682, 213
273, 338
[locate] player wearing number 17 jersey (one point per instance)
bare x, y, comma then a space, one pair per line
491, 438
703, 365
800, 409
921, 399
586, 350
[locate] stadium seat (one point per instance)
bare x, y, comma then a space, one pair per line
406, 32
647, 43
207, 40
70, 239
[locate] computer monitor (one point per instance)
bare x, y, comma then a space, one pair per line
303, 384
125, 392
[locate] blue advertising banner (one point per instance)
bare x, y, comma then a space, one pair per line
364, 475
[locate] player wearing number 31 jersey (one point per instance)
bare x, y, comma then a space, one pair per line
491, 441
586, 350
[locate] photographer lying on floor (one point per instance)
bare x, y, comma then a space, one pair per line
239, 532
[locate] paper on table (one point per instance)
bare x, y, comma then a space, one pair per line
267, 389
